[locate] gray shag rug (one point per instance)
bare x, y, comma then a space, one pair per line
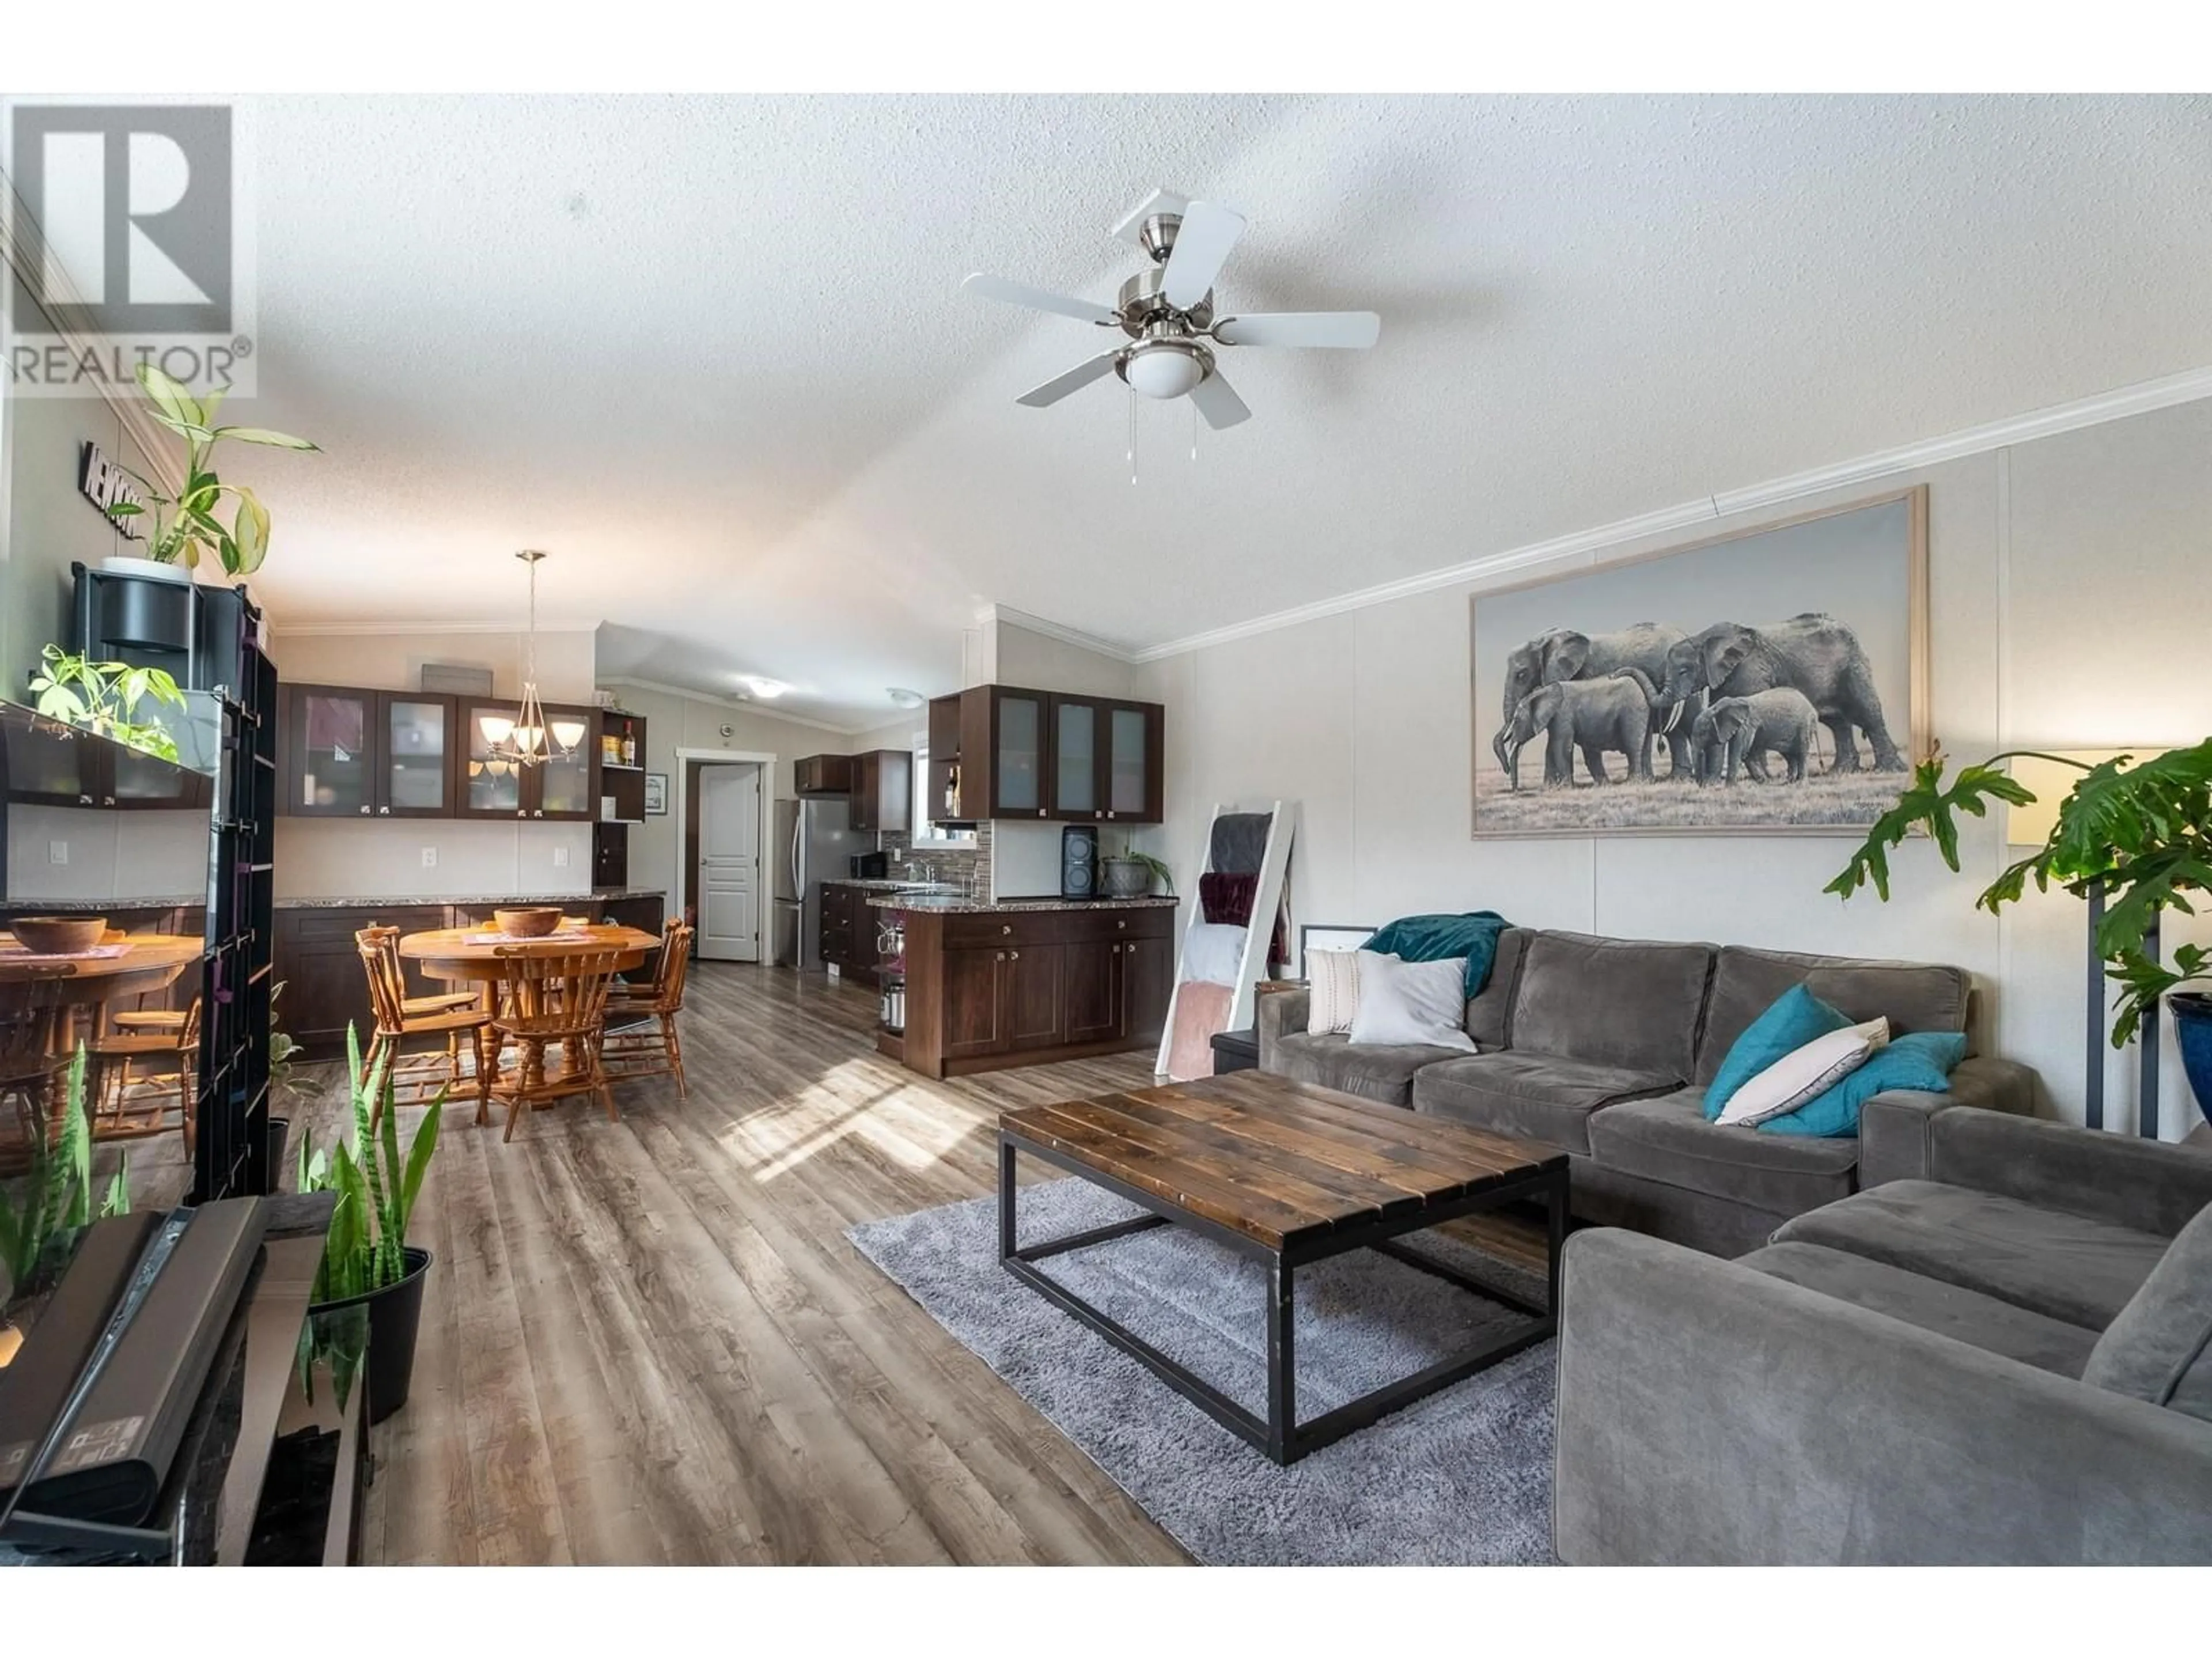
1461, 1477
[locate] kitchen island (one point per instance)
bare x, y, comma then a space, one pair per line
997, 982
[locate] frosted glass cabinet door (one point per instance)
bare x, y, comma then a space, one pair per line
491, 787
1017, 773
1075, 759
332, 773
1129, 759
417, 734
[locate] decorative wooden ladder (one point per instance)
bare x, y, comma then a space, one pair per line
1267, 904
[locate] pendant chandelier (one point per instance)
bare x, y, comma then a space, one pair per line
523, 740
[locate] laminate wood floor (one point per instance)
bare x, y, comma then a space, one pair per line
650, 1342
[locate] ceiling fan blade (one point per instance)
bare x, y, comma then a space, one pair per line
1202, 242
1061, 385
1221, 406
1038, 298
1355, 330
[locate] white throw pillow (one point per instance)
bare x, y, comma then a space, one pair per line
1333, 993
1802, 1073
1412, 1002
1214, 951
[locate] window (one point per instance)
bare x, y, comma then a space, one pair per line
925, 834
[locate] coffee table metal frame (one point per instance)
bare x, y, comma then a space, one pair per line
1279, 1434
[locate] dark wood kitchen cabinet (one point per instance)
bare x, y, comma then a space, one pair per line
987, 989
1008, 752
883, 791
317, 964
847, 939
47, 765
562, 788
822, 774
348, 751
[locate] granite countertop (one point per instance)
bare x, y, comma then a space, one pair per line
599, 895
93, 907
950, 905
884, 885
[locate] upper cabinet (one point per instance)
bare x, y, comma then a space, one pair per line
824, 774
51, 763
348, 752
883, 791
1002, 751
621, 764
564, 788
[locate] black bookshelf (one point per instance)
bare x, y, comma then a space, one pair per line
233, 1158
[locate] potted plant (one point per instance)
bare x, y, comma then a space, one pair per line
190, 522
2141, 834
1130, 874
103, 697
370, 1283
57, 1195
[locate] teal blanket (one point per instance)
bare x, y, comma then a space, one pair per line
1440, 938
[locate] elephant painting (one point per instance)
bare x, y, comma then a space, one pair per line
1737, 731
1565, 655
1593, 716
1812, 653
1820, 712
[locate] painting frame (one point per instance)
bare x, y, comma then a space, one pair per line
656, 794
1916, 668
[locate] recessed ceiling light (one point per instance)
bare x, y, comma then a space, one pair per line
761, 686
906, 699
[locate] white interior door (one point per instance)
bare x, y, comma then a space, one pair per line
729, 862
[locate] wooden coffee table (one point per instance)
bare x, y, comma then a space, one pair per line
1292, 1175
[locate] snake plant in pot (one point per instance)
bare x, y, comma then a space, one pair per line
2140, 835
368, 1290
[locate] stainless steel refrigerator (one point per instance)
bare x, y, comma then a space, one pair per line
814, 843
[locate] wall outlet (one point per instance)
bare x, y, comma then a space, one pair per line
429, 857
58, 852
560, 858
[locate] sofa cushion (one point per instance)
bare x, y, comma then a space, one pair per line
1487, 1009
2159, 1347
1785, 1025
1382, 1072
1912, 996
1951, 1310
1517, 1091
2072, 1267
1410, 1003
1668, 1139
1631, 1003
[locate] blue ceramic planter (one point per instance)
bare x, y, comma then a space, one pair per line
2192, 1027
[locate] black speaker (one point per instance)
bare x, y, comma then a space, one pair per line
1078, 861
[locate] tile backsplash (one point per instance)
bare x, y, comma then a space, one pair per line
969, 868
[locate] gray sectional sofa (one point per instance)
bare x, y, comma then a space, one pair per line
1999, 1352
1604, 1046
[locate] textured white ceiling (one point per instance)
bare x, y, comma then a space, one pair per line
708, 351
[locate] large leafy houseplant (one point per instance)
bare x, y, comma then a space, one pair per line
57, 1195
2139, 833
190, 523
103, 697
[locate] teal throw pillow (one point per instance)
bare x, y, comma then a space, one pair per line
1922, 1060
1794, 1020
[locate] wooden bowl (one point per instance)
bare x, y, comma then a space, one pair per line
57, 936
534, 921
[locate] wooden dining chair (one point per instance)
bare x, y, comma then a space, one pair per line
552, 1001
113, 1058
648, 1045
416, 1077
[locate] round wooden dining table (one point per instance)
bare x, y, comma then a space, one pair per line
479, 955
39, 996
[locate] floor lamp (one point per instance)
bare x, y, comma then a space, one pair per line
2031, 827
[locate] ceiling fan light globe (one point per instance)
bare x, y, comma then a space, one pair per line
1163, 373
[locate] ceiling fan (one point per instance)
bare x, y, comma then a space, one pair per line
1169, 312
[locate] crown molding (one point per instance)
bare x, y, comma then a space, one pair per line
2190, 386
750, 706
1052, 630
505, 625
